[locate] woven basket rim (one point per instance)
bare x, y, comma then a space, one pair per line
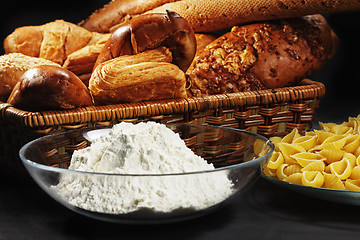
307, 89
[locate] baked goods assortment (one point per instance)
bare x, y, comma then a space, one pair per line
149, 51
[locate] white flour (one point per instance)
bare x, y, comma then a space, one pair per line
144, 148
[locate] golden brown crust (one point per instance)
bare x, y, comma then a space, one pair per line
131, 78
203, 39
83, 60
151, 31
49, 88
117, 12
210, 16
262, 55
53, 41
12, 67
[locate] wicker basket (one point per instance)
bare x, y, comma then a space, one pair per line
272, 112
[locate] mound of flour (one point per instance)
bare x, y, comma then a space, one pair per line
143, 148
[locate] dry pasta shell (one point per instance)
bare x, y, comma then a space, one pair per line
357, 162
355, 173
275, 160
288, 149
341, 129
327, 126
351, 157
305, 158
333, 182
294, 178
306, 142
354, 124
312, 178
322, 135
260, 148
341, 169
327, 169
286, 170
352, 143
352, 185
310, 133
276, 140
317, 165
332, 155
269, 172
334, 142
357, 152
289, 138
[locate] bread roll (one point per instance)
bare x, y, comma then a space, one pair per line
151, 31
262, 55
83, 60
12, 67
53, 41
117, 12
132, 78
49, 88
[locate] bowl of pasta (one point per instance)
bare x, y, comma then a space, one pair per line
323, 163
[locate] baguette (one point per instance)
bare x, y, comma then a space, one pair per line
215, 15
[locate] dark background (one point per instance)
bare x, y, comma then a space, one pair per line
266, 211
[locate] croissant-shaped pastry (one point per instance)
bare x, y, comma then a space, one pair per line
53, 41
131, 78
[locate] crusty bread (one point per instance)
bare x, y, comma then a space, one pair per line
132, 78
53, 41
209, 16
117, 12
262, 55
212, 15
12, 67
151, 31
49, 88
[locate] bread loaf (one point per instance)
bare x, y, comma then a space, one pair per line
49, 88
132, 78
12, 67
117, 12
151, 31
53, 41
262, 55
214, 15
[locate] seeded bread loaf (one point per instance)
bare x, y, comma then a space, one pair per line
262, 55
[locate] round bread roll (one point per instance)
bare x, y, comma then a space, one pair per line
49, 88
151, 31
12, 67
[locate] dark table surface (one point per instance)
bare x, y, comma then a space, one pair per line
265, 211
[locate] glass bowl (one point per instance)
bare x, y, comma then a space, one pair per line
237, 156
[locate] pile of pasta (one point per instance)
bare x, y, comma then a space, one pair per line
327, 158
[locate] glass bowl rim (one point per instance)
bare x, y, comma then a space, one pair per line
28, 162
